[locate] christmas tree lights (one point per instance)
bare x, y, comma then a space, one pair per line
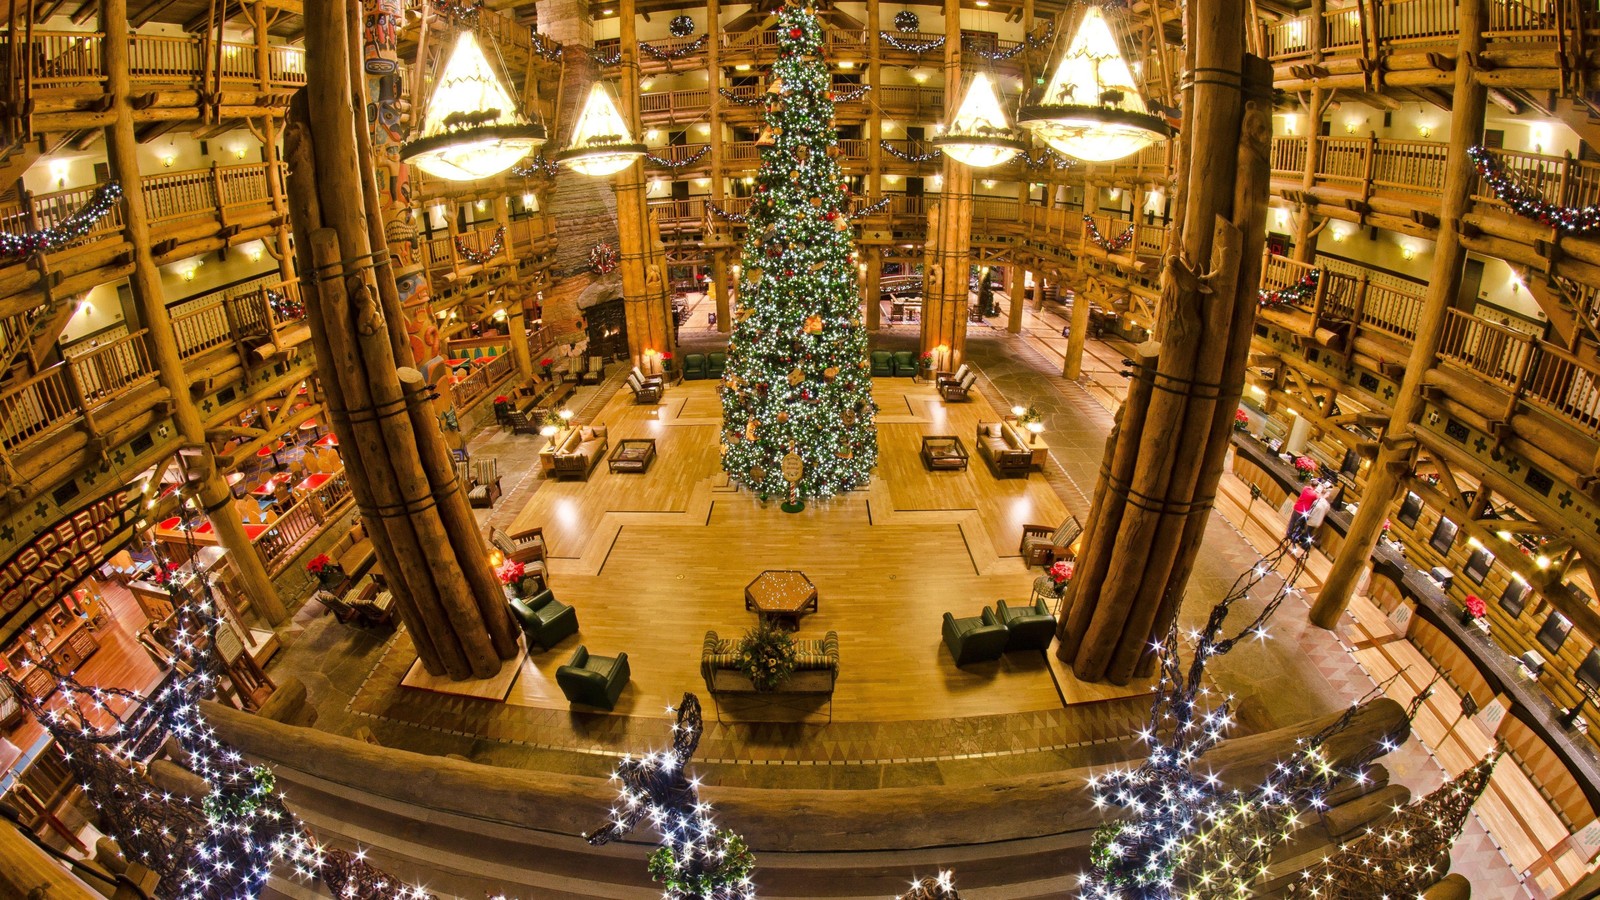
696, 860
797, 394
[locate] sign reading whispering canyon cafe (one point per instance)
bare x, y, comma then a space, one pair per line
58, 557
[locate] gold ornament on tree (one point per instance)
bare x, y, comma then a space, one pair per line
830, 373
758, 474
813, 325
796, 376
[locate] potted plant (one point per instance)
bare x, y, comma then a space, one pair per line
327, 572
1061, 573
1305, 467
1473, 610
1241, 420
514, 575
502, 406
925, 362
766, 656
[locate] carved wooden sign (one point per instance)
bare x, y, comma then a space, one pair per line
59, 556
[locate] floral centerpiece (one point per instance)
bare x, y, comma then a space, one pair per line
546, 364
514, 575
1028, 417
1241, 421
925, 361
766, 656
1061, 573
1473, 609
1305, 467
325, 570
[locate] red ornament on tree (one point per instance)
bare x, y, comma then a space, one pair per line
795, 32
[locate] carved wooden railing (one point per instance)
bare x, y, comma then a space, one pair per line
476, 383
1405, 23
60, 395
250, 312
302, 521
675, 104
69, 60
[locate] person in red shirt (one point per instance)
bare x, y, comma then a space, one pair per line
1302, 508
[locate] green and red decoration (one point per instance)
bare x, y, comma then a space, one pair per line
1113, 245
1295, 294
1526, 202
603, 258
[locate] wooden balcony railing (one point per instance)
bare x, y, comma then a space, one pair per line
304, 519
239, 314
677, 153
675, 104
35, 211
911, 100
1403, 23
1559, 180
476, 383
689, 211
1536, 372
60, 394
62, 60
1415, 167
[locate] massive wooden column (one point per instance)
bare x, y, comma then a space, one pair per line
122, 157
1078, 334
646, 296
1164, 458
722, 244
399, 470
948, 253
513, 296
1304, 225
1444, 283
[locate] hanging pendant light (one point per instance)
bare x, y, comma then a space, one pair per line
979, 134
1091, 109
601, 142
473, 128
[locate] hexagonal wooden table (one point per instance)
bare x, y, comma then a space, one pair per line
781, 596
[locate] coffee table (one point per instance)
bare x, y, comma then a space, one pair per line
633, 455
943, 452
781, 596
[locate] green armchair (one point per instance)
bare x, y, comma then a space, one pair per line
1028, 627
716, 364
975, 639
593, 680
882, 364
905, 364
694, 367
544, 619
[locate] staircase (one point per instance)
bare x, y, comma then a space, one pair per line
1573, 310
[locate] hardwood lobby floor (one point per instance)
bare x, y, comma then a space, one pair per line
653, 561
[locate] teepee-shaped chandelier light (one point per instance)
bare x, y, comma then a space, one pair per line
602, 144
979, 134
473, 127
1091, 108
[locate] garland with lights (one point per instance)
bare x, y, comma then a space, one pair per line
1407, 854
224, 844
675, 53
757, 100
906, 21
897, 153
852, 95
871, 208
933, 887
1112, 245
1291, 295
690, 160
1190, 830
1526, 202
496, 245
603, 258
1049, 157
461, 15
283, 308
724, 215
797, 409
536, 165
544, 47
917, 47
696, 860
69, 229
1031, 42
681, 26
606, 60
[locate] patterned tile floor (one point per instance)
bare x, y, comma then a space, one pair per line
353, 676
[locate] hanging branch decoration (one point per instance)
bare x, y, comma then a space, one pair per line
285, 309
865, 211
545, 48
536, 165
1113, 245
461, 15
680, 26
906, 22
603, 258
687, 161
1526, 202
757, 100
223, 844
1049, 157
696, 860
1407, 854
917, 47
69, 229
1190, 829
1295, 294
496, 245
724, 215
668, 55
606, 60
1032, 42
897, 153
852, 95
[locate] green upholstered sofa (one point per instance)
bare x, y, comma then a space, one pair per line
905, 364
593, 680
544, 619
694, 366
882, 364
975, 639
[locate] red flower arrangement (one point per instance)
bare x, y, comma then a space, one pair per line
502, 400
1305, 464
1240, 419
667, 356
1475, 606
319, 564
512, 572
546, 362
1062, 571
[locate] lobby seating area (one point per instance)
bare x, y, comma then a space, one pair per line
1004, 449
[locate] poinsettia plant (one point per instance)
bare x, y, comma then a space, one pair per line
511, 572
1475, 606
501, 400
1061, 572
319, 564
1241, 420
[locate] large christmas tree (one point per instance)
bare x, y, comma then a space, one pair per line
797, 393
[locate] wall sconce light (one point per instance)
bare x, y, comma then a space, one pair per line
919, 76
59, 170
167, 161
482, 205
847, 65
742, 67
1290, 122
988, 182
1425, 129
647, 84
528, 200
1350, 126
1407, 251
937, 181
652, 135
500, 315
1114, 193
254, 253
1338, 235
188, 274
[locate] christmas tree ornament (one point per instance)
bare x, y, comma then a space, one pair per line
795, 377
830, 373
757, 474
813, 324
848, 417
783, 416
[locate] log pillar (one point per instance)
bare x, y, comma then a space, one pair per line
1164, 458
646, 299
1444, 282
874, 122
1304, 224
721, 288
513, 297
1078, 333
399, 469
948, 251
122, 158
1013, 285
719, 260
871, 288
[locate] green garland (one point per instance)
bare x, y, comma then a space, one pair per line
1295, 294
681, 880
766, 656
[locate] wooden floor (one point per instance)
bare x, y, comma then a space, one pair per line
652, 561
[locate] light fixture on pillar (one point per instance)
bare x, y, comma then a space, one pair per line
979, 134
473, 127
601, 141
1091, 109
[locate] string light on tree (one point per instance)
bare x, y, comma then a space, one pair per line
797, 404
